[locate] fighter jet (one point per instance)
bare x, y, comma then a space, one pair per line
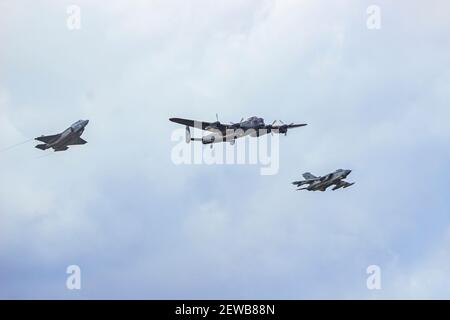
61, 141
253, 127
322, 183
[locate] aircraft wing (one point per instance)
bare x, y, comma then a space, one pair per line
346, 184
199, 124
77, 142
300, 183
343, 184
48, 139
326, 177
289, 126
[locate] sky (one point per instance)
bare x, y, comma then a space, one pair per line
141, 227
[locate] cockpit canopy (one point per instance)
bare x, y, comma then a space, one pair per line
255, 120
79, 124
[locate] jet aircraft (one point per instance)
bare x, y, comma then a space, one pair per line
69, 137
322, 183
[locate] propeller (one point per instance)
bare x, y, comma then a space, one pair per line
269, 127
214, 125
281, 129
284, 127
188, 135
237, 125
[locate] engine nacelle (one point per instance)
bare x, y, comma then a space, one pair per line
283, 129
208, 139
215, 125
188, 134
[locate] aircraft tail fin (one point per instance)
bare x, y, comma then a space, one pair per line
42, 146
308, 175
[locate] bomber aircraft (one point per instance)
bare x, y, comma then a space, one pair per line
221, 132
69, 137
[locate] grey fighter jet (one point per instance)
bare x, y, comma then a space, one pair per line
322, 183
61, 141
222, 132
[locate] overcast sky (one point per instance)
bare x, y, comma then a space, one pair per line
139, 226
